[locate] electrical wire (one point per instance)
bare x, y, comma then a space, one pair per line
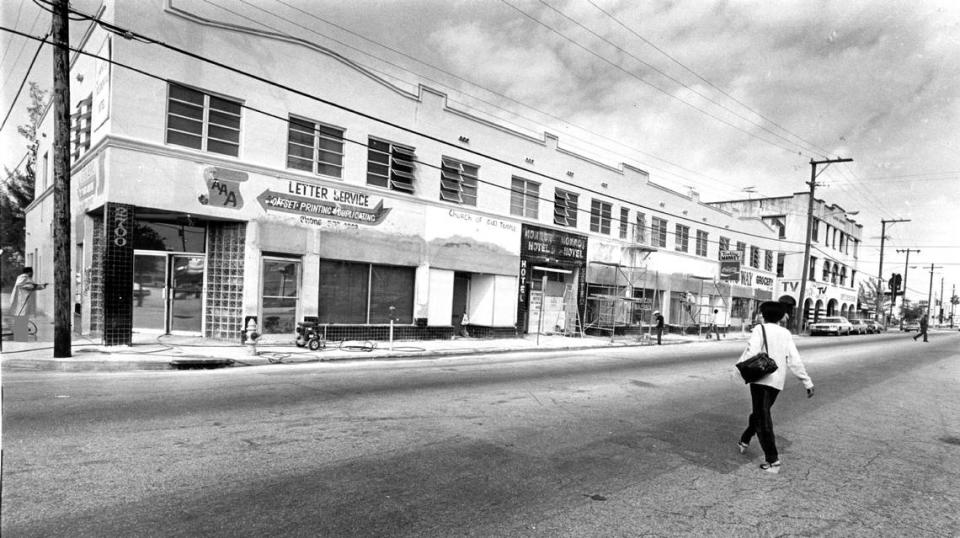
704, 80
23, 82
274, 14
654, 86
432, 138
671, 78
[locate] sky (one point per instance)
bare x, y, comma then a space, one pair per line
730, 98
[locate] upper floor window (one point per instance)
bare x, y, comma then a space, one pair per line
565, 208
682, 239
390, 165
742, 248
640, 233
813, 268
458, 182
724, 245
315, 147
781, 262
768, 260
755, 257
701, 243
624, 221
658, 232
524, 198
80, 128
826, 271
600, 212
202, 121
815, 230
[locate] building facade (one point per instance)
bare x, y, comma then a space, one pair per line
832, 279
205, 201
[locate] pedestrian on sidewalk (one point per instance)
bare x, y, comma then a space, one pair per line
763, 392
713, 324
23, 301
923, 329
659, 320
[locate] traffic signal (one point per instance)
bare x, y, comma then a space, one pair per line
895, 281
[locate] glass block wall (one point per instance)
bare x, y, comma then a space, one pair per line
95, 278
225, 249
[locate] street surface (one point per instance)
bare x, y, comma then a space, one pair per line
618, 442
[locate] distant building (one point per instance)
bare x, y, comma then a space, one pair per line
832, 283
204, 200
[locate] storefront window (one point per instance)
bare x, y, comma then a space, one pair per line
281, 285
360, 293
168, 236
740, 307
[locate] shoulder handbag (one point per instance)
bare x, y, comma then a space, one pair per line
759, 365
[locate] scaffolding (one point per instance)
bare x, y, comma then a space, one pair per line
606, 312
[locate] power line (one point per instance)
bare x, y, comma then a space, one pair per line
661, 90
711, 84
429, 137
23, 82
701, 183
668, 76
128, 33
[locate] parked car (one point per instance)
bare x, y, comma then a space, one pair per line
912, 325
831, 325
876, 326
860, 326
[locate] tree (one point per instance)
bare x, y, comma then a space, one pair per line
870, 289
17, 191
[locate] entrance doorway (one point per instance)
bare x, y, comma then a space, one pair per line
168, 292
461, 293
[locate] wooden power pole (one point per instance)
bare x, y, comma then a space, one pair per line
62, 278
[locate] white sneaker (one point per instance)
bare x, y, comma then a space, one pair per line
742, 447
771, 467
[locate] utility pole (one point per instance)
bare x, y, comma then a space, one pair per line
952, 303
930, 292
906, 267
801, 318
62, 296
883, 236
940, 316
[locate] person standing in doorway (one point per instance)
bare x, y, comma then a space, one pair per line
763, 392
923, 329
658, 319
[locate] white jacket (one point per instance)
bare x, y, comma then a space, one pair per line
781, 348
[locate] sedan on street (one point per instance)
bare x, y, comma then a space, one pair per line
831, 325
876, 326
912, 325
860, 326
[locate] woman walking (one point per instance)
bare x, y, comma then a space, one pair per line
763, 392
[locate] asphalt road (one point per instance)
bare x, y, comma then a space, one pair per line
627, 442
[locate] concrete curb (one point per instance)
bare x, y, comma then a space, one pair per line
123, 361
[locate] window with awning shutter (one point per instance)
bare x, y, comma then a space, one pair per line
458, 182
565, 208
391, 166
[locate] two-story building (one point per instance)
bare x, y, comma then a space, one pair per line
292, 181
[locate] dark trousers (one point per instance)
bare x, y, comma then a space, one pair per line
659, 334
923, 333
761, 423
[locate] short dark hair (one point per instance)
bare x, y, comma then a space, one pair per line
28, 269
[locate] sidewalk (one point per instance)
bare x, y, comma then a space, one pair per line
166, 352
